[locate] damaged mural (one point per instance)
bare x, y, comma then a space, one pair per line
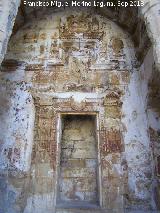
79, 112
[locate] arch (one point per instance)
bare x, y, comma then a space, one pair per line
104, 95
128, 18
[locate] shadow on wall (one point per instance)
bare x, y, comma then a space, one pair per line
154, 92
153, 104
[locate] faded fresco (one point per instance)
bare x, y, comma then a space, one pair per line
79, 117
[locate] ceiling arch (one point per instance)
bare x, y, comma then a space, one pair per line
127, 18
142, 23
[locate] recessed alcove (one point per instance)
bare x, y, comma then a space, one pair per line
78, 182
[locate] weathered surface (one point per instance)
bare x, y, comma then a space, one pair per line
66, 63
149, 20
8, 12
79, 161
150, 14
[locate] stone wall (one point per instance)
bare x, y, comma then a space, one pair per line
149, 13
8, 12
78, 175
73, 62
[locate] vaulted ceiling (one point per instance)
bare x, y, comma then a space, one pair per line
126, 17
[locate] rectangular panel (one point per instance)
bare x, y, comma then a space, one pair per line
78, 160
